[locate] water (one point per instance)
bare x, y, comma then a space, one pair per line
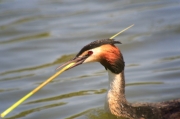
36, 36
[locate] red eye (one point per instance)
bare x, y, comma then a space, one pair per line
90, 52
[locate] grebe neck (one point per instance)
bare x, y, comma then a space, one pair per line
115, 100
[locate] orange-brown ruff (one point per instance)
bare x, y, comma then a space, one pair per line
105, 52
111, 58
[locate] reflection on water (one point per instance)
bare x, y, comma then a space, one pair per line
72, 94
169, 58
37, 36
58, 61
23, 38
27, 112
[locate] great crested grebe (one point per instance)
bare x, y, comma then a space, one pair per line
105, 52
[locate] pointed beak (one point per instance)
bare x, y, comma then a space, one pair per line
73, 63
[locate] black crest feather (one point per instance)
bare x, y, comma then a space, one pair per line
97, 43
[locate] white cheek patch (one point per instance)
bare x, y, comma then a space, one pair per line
95, 56
91, 58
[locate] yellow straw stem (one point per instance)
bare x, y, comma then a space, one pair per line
35, 90
121, 31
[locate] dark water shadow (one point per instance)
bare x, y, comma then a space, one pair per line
97, 113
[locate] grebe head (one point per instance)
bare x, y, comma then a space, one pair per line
103, 51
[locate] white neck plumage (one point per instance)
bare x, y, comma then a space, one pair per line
115, 99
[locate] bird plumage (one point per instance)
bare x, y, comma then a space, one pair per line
105, 52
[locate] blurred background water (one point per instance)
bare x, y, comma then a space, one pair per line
36, 36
